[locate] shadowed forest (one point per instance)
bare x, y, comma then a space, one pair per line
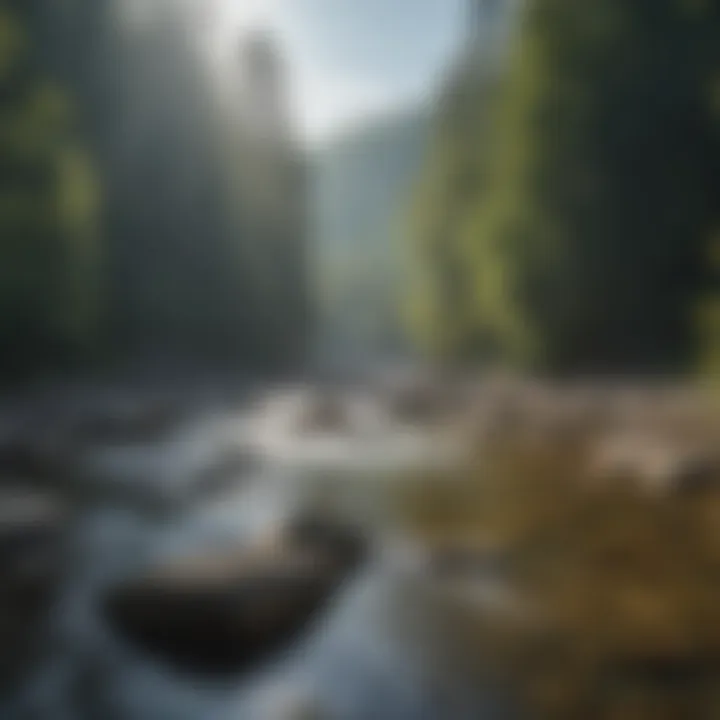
417, 421
129, 229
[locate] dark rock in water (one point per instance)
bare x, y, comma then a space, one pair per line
226, 612
32, 529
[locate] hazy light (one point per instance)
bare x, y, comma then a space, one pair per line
326, 98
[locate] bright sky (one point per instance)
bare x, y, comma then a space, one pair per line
351, 59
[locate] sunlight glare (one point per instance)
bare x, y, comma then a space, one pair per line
235, 16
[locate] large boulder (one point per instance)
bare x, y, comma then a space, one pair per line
225, 612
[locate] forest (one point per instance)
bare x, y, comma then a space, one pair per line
128, 227
565, 218
567, 221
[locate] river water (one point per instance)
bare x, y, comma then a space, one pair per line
378, 653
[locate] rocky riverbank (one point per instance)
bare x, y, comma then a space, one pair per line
580, 549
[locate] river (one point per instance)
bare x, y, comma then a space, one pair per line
379, 651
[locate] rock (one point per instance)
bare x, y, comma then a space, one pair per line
32, 529
420, 402
323, 414
655, 465
228, 611
687, 471
304, 411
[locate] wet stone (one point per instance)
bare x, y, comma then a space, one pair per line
228, 611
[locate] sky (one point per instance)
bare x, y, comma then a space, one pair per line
350, 59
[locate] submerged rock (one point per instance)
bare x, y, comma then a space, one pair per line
225, 612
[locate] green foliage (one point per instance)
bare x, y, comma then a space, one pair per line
602, 200
585, 249
440, 302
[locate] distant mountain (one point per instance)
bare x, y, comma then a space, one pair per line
363, 180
